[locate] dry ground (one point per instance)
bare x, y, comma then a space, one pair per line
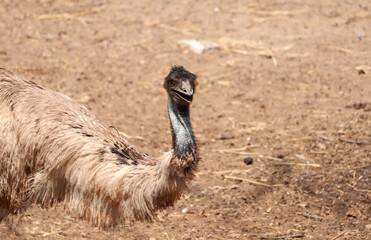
290, 88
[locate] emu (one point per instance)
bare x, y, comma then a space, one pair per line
53, 149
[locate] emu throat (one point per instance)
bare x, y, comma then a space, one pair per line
183, 138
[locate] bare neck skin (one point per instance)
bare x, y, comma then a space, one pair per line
183, 138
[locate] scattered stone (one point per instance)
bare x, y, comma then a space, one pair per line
351, 214
85, 98
184, 210
248, 161
361, 34
89, 21
68, 218
199, 46
224, 137
363, 70
51, 37
234, 187
321, 146
280, 156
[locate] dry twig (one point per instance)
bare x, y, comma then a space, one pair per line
325, 138
339, 235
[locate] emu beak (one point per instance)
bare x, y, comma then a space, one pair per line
187, 88
185, 92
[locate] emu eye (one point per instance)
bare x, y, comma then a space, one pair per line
171, 83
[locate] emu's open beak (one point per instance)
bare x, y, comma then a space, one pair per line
185, 92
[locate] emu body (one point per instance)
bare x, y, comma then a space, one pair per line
53, 149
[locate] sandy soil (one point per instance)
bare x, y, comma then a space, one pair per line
289, 88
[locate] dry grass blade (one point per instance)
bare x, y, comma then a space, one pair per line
299, 164
300, 139
339, 235
344, 50
253, 182
247, 47
221, 172
174, 29
361, 190
279, 161
325, 138
239, 151
69, 15
279, 13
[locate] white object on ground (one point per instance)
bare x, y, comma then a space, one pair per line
199, 46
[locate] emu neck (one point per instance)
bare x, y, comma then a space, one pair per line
183, 138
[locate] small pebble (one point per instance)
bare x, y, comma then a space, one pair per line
50, 37
361, 34
248, 161
351, 214
224, 137
341, 132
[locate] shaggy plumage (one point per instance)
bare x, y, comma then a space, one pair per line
53, 149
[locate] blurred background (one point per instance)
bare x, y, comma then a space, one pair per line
282, 112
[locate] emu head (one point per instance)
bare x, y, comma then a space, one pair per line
180, 85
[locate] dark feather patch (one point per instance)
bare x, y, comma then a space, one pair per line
120, 154
12, 107
87, 134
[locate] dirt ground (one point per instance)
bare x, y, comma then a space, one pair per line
290, 88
